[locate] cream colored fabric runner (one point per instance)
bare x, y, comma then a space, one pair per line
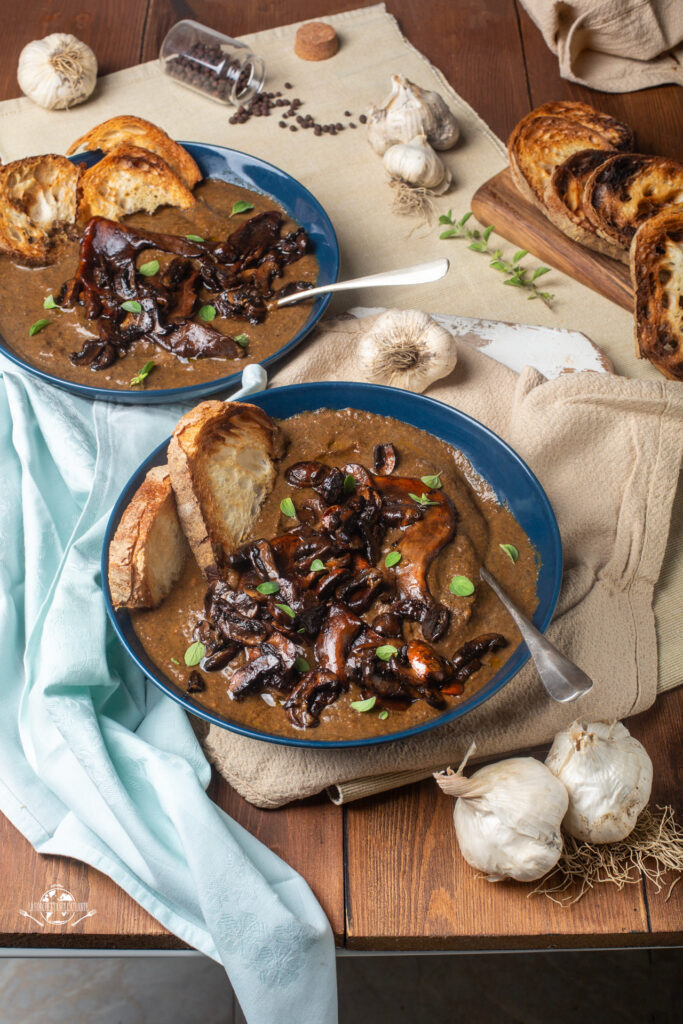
347, 177
614, 45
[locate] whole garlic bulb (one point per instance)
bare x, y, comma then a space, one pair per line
416, 164
608, 775
409, 111
507, 818
57, 72
407, 349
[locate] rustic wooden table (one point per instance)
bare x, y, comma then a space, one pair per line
386, 870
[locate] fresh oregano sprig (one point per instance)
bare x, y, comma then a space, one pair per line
515, 273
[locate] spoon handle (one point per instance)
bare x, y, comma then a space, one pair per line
563, 680
420, 273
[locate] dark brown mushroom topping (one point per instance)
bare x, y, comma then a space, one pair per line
316, 691
384, 459
195, 683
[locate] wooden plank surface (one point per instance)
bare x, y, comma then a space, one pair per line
406, 886
499, 202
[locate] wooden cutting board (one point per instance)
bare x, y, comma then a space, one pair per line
499, 202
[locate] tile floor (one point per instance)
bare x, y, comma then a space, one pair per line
634, 987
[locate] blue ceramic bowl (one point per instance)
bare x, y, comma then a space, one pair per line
510, 477
249, 172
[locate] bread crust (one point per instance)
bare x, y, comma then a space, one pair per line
221, 459
38, 197
656, 259
129, 180
148, 537
126, 128
626, 190
563, 199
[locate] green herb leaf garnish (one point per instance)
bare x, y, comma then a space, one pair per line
461, 586
194, 653
364, 705
385, 652
269, 587
287, 610
208, 313
349, 484
175, 661
287, 508
142, 375
422, 500
433, 482
241, 207
49, 303
194, 238
37, 326
383, 715
132, 306
301, 665
393, 558
510, 550
317, 565
242, 339
149, 269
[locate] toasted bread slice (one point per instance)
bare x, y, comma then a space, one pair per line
138, 132
563, 199
129, 180
222, 463
627, 190
550, 134
149, 549
37, 203
657, 275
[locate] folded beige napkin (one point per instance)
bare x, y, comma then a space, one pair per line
614, 45
608, 452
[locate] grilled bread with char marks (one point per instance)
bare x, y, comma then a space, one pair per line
149, 549
563, 199
547, 136
38, 198
137, 132
657, 275
129, 180
628, 189
222, 463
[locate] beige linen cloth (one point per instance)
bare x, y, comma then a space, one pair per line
347, 177
614, 45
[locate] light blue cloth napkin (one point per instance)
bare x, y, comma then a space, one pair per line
95, 762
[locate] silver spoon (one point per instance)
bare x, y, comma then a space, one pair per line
420, 273
564, 681
254, 379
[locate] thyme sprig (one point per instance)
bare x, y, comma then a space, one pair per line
515, 273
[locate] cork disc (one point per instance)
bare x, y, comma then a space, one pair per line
316, 41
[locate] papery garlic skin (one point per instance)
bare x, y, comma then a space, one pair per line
57, 72
608, 776
416, 164
409, 111
407, 349
507, 818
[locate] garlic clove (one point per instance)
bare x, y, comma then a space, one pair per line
507, 818
408, 111
57, 72
416, 164
406, 349
608, 776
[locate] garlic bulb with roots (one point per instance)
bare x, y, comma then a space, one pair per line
507, 818
416, 164
608, 776
409, 111
58, 71
405, 348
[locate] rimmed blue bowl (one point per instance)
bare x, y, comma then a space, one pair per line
253, 173
508, 475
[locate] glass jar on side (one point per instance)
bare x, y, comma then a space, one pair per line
212, 64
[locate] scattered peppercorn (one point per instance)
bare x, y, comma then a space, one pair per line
363, 119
